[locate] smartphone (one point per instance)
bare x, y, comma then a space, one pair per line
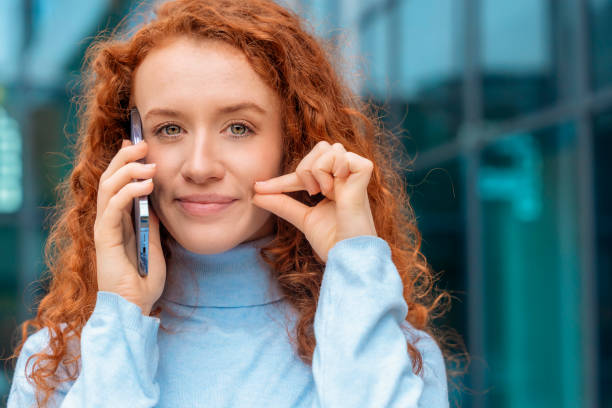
140, 209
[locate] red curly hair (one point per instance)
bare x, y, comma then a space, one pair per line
317, 105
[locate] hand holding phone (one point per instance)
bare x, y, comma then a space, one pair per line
117, 237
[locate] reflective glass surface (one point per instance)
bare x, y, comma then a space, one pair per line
518, 70
437, 198
532, 335
602, 167
416, 71
11, 32
374, 40
10, 298
601, 33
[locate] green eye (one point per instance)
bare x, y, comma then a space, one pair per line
238, 129
168, 132
172, 130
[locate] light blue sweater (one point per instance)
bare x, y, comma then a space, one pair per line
224, 340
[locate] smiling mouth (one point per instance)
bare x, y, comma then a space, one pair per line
203, 209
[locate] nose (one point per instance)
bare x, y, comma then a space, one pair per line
202, 160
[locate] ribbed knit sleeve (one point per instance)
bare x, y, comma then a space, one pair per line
361, 357
119, 358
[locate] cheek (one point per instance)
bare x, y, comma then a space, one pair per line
259, 163
163, 172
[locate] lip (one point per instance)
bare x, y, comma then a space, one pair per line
205, 204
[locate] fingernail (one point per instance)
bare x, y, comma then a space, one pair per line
151, 165
260, 183
149, 180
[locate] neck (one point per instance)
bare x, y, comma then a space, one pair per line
238, 277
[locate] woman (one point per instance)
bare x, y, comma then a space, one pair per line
285, 268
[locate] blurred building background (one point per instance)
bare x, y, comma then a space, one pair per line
507, 108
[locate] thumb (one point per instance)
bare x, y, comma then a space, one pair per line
283, 206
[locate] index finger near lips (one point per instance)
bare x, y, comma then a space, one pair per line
125, 155
283, 184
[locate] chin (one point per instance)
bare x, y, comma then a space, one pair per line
207, 242
203, 249
216, 239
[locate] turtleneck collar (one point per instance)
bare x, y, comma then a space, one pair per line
235, 278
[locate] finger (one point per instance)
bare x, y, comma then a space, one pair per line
128, 153
283, 206
359, 164
355, 187
120, 178
123, 199
282, 184
341, 166
304, 169
327, 166
322, 171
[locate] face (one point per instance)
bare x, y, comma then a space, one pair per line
213, 127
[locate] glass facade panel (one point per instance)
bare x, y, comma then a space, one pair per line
602, 166
322, 15
601, 33
528, 191
518, 47
373, 40
426, 62
10, 298
437, 197
420, 81
11, 166
52, 43
11, 32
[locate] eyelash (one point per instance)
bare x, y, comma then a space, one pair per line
249, 130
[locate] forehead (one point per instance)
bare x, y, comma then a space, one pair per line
194, 71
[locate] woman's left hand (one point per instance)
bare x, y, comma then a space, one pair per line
342, 177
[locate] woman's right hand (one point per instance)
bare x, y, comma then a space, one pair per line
114, 236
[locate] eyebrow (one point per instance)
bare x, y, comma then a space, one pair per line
223, 110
